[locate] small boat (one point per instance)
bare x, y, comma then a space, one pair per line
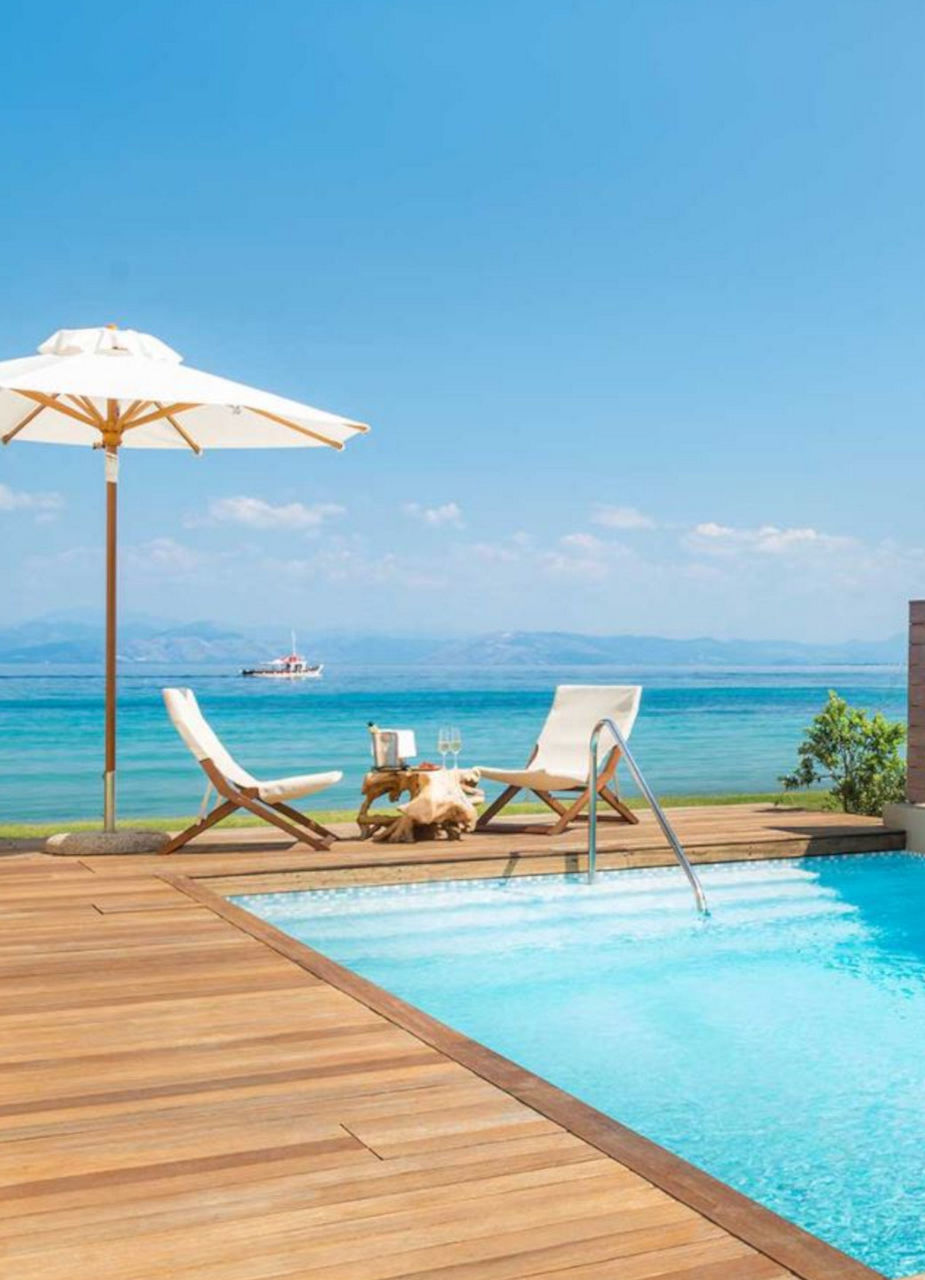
292, 667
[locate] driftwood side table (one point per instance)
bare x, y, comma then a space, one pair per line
442, 803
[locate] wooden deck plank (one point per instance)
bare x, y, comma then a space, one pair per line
714, 1260
306, 1241
280, 1198
749, 830
665, 1249
182, 1097
368, 1189
188, 1195
521, 1252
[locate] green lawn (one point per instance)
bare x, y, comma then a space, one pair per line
793, 799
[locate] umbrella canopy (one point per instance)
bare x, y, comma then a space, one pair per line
123, 389
118, 389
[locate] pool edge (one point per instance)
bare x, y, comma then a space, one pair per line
776, 1237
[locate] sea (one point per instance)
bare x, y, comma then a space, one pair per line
700, 730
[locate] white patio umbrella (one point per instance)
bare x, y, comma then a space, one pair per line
117, 389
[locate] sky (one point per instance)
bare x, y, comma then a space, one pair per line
631, 293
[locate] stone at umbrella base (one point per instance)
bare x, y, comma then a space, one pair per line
83, 843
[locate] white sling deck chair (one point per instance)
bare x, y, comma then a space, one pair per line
560, 759
236, 787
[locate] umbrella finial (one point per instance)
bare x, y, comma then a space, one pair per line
107, 340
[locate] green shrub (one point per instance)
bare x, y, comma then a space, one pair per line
856, 754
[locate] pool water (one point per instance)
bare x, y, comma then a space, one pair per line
779, 1044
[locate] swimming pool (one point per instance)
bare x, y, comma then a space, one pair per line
779, 1044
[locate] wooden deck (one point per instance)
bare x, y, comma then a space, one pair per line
259, 858
185, 1093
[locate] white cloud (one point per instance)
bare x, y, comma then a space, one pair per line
711, 538
493, 552
165, 556
450, 513
773, 541
582, 542
255, 513
621, 517
71, 558
43, 505
579, 555
709, 529
158, 557
560, 564
342, 562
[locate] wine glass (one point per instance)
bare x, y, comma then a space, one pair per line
455, 744
443, 742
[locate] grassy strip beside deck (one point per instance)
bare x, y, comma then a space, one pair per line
815, 800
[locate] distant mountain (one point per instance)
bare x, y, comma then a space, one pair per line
557, 648
195, 642
66, 638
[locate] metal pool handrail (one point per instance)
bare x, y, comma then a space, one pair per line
656, 808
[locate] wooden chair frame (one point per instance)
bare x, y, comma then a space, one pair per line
567, 813
300, 826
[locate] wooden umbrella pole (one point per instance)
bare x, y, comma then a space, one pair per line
109, 774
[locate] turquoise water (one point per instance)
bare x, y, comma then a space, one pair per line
777, 1044
698, 730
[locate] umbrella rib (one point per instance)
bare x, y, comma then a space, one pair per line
295, 426
21, 426
53, 402
84, 402
157, 414
128, 418
185, 436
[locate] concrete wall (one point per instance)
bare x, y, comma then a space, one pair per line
915, 751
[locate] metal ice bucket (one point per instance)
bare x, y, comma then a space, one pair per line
392, 747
